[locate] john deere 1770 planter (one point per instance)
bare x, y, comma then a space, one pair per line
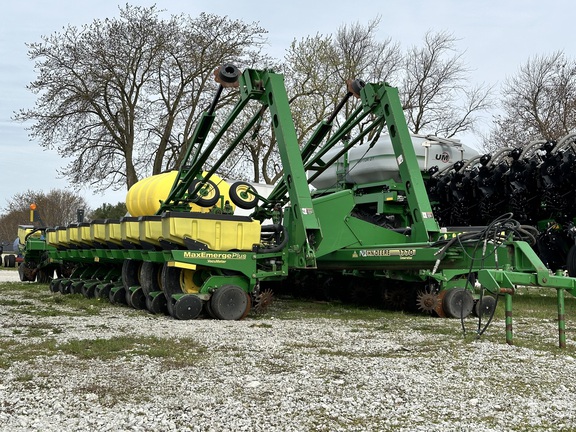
371, 236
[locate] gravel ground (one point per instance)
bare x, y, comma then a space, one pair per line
401, 373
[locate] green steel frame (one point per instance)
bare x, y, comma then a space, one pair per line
322, 232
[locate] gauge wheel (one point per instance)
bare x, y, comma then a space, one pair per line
230, 302
458, 303
208, 195
243, 195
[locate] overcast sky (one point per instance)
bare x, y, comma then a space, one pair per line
496, 36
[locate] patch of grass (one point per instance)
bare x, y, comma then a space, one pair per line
111, 393
26, 377
173, 355
291, 308
14, 351
182, 353
92, 306
261, 325
12, 302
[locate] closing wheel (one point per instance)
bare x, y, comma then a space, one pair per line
187, 307
208, 310
64, 286
458, 303
230, 302
76, 287
486, 307
55, 285
88, 289
243, 195
157, 304
427, 302
137, 299
117, 295
208, 195
103, 290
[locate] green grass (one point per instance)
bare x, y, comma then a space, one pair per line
172, 355
289, 308
185, 352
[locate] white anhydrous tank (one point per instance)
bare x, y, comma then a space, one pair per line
379, 163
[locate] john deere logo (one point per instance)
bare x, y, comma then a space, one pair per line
444, 157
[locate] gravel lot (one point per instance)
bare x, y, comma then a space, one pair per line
398, 372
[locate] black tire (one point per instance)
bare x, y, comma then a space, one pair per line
64, 286
230, 302
157, 305
486, 307
26, 272
88, 289
138, 299
103, 291
43, 276
458, 303
11, 261
150, 277
174, 280
130, 273
187, 307
55, 285
170, 281
243, 195
76, 287
208, 310
208, 195
117, 296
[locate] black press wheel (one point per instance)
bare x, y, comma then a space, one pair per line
458, 303
138, 299
230, 302
208, 194
76, 287
187, 307
88, 289
157, 304
64, 286
117, 296
103, 290
208, 310
243, 195
55, 285
485, 308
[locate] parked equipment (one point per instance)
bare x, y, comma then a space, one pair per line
353, 235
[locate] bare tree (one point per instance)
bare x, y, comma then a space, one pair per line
435, 92
539, 102
315, 70
433, 81
120, 97
55, 208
